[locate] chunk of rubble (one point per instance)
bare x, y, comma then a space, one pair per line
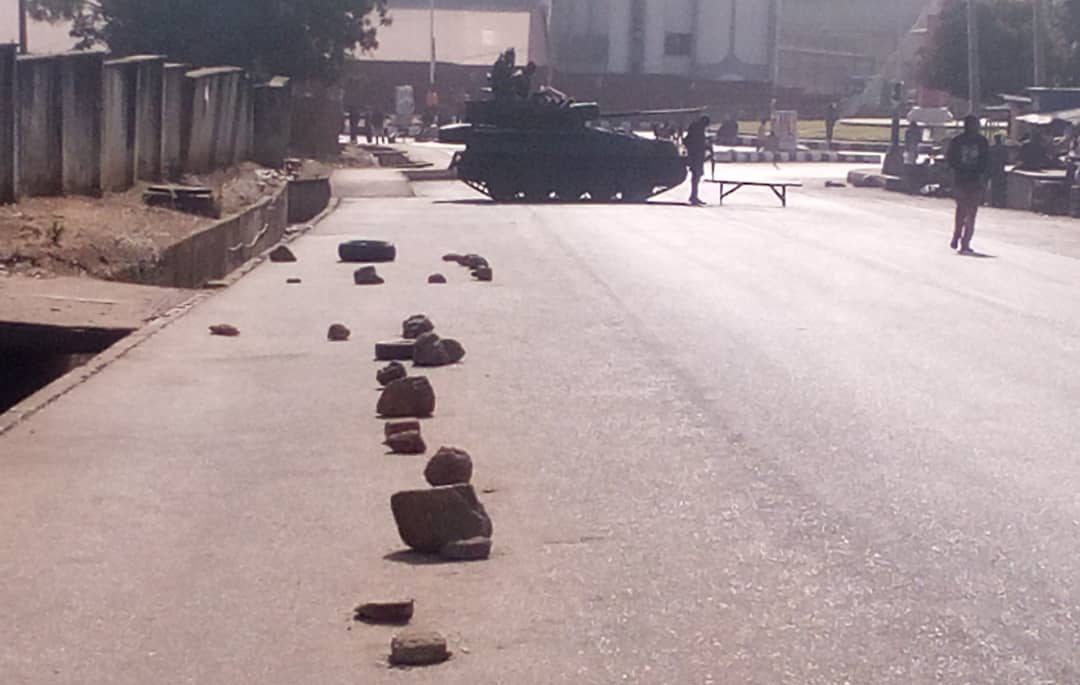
449, 466
428, 520
224, 329
396, 612
431, 350
473, 549
415, 326
282, 254
406, 442
412, 396
418, 648
338, 332
394, 371
436, 279
366, 275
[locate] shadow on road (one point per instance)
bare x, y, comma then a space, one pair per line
408, 556
977, 255
485, 201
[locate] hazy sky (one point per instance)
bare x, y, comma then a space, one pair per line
43, 37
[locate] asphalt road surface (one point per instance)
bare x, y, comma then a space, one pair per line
735, 444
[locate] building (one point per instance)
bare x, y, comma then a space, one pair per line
834, 47
707, 40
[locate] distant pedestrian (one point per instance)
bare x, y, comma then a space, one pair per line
912, 139
696, 144
999, 158
969, 158
763, 135
831, 117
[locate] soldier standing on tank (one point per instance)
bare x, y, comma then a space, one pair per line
696, 144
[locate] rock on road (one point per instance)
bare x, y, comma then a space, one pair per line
720, 445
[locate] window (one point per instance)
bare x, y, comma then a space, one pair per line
678, 44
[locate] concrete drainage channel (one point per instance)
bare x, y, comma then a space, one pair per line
54, 330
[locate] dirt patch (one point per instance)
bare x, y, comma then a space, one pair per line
117, 235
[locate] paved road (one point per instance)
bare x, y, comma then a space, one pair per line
723, 445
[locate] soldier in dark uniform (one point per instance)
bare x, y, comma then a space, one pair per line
696, 147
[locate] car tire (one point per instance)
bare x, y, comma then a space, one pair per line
367, 251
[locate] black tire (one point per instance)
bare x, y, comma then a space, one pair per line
367, 251
394, 350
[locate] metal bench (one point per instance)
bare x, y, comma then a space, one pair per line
779, 188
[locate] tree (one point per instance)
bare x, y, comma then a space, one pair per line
302, 38
1005, 48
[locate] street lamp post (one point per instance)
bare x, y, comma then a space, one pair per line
431, 74
973, 55
1039, 36
23, 43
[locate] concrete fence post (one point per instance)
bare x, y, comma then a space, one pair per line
40, 113
8, 147
273, 122
81, 81
173, 118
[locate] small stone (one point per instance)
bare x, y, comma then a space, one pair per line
406, 442
415, 326
282, 253
293, 281
412, 396
393, 371
449, 466
366, 275
224, 329
338, 333
431, 350
394, 612
473, 549
473, 261
427, 520
482, 273
436, 279
418, 648
392, 427
451, 257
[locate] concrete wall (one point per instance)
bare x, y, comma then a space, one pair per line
172, 119
40, 126
211, 123
81, 103
272, 124
134, 97
7, 124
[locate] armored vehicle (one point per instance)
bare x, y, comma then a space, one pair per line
543, 146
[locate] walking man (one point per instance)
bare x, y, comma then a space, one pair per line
696, 143
969, 159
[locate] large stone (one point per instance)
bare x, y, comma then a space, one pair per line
393, 612
394, 371
406, 442
418, 648
473, 549
436, 279
428, 520
415, 326
473, 261
282, 253
412, 396
451, 257
431, 350
449, 466
366, 275
482, 273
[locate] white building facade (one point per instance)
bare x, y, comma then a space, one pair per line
718, 40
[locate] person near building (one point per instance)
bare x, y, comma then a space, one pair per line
831, 117
763, 135
696, 144
912, 139
969, 158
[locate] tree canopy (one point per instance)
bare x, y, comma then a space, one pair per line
302, 38
1006, 46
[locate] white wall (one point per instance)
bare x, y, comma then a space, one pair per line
461, 36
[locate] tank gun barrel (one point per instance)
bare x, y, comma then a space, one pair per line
653, 113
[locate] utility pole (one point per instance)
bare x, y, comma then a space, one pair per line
1039, 29
431, 75
973, 55
24, 46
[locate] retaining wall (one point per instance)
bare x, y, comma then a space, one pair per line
7, 123
219, 249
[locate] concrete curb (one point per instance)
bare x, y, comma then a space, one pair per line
723, 156
52, 392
